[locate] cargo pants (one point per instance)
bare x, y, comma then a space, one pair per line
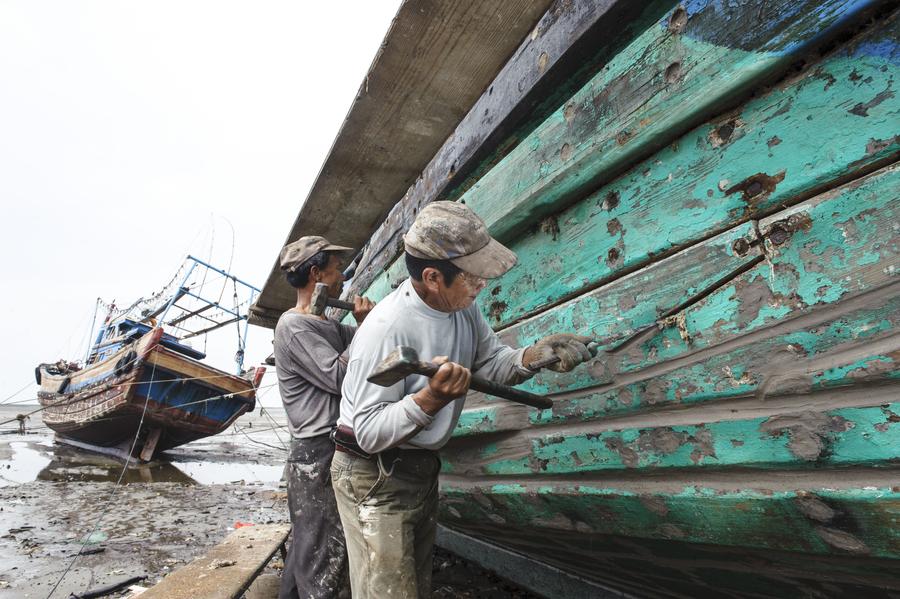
388, 507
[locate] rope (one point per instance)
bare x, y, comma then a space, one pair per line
115, 488
27, 385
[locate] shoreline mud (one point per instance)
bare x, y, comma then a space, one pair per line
57, 501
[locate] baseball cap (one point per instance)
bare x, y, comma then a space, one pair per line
452, 231
294, 254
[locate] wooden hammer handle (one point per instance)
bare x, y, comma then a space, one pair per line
477, 383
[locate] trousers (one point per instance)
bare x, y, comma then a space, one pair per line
316, 563
388, 507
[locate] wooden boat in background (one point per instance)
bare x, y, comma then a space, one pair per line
142, 390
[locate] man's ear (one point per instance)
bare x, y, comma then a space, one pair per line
431, 276
314, 273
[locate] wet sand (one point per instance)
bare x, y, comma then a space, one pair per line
56, 500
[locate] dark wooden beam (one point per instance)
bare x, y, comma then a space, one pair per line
569, 45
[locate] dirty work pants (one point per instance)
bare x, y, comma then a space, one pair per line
389, 517
316, 562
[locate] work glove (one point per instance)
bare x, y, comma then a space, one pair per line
571, 350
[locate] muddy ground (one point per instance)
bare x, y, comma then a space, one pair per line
56, 501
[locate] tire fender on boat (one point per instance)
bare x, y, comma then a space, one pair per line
125, 363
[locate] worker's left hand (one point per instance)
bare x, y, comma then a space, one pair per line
571, 350
361, 308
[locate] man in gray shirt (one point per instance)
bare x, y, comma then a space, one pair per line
386, 468
310, 365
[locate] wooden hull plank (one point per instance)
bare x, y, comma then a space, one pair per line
632, 221
667, 81
844, 244
803, 520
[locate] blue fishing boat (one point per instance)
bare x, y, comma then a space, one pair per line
142, 389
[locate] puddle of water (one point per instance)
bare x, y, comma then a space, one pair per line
212, 473
251, 453
23, 465
25, 461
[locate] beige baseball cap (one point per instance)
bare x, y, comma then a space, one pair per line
452, 231
294, 254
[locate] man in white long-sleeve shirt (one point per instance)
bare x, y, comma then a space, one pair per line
386, 468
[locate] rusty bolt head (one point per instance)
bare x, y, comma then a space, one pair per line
778, 234
741, 246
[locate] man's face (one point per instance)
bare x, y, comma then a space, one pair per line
460, 294
332, 276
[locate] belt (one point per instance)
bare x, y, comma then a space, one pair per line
345, 441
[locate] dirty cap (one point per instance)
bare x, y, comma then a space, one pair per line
294, 254
452, 231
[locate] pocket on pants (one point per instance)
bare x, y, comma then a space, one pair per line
372, 490
363, 480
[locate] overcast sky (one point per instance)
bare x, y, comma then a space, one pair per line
132, 133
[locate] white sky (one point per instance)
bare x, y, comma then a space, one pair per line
133, 133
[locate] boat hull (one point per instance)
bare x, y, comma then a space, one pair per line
143, 399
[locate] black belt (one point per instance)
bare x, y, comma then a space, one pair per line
345, 441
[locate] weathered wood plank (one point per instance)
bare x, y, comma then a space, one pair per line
568, 46
838, 349
227, 569
843, 243
845, 349
634, 219
819, 520
663, 84
858, 436
791, 283
688, 191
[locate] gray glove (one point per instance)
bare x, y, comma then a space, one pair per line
570, 349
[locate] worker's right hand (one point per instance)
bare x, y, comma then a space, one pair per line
449, 382
361, 308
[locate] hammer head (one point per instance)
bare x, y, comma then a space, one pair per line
319, 299
399, 364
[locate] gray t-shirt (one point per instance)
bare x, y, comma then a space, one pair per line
310, 370
384, 417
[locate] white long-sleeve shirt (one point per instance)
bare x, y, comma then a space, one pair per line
385, 417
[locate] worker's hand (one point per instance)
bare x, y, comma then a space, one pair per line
449, 382
361, 308
571, 350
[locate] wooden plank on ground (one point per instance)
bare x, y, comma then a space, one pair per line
227, 569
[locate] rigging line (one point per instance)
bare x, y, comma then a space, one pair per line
266, 412
16, 419
112, 495
230, 258
212, 241
252, 440
27, 385
254, 430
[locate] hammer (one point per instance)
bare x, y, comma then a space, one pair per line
404, 361
320, 300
